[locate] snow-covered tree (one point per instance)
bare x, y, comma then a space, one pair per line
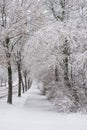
12, 28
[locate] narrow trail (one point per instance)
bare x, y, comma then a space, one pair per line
38, 102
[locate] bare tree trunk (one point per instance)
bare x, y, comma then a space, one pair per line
28, 83
23, 87
25, 76
72, 83
72, 90
63, 5
66, 78
56, 74
9, 100
8, 55
19, 80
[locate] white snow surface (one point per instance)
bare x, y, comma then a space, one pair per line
34, 112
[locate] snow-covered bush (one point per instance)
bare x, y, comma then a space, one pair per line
60, 44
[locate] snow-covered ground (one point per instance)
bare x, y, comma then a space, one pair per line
34, 112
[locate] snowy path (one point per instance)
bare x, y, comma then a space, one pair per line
38, 102
37, 113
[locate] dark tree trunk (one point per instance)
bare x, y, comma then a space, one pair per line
72, 90
19, 80
23, 87
9, 100
28, 83
25, 76
56, 74
8, 55
63, 5
72, 82
66, 78
66, 52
